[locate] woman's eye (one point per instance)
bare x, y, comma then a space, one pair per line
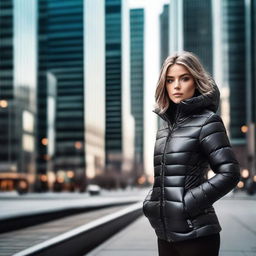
185, 78
169, 80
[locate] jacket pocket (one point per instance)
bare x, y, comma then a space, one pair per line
210, 210
185, 210
191, 207
187, 216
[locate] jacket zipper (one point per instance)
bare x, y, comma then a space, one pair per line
162, 184
163, 174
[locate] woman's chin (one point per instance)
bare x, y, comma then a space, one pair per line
176, 100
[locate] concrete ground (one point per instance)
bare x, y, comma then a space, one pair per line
14, 205
236, 212
237, 216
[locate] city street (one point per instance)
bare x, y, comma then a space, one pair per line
101, 100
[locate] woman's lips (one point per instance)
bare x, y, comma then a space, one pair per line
177, 94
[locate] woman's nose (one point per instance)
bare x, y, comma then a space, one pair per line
176, 84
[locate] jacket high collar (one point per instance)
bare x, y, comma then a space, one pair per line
196, 104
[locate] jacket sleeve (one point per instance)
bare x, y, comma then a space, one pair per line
215, 145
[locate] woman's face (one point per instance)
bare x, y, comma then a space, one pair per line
180, 84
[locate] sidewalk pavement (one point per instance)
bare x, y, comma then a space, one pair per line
238, 236
13, 205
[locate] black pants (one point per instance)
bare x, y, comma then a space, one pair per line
200, 246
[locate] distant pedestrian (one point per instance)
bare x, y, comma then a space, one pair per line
191, 139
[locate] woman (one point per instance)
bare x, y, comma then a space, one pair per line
192, 138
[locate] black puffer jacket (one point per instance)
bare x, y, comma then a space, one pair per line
192, 139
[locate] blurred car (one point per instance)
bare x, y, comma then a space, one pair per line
93, 189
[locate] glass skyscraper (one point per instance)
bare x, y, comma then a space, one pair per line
137, 83
94, 91
18, 86
164, 33
250, 25
61, 51
235, 77
113, 39
119, 133
42, 123
8, 154
197, 30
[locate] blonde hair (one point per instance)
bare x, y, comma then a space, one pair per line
203, 81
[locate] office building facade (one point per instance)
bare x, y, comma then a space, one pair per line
61, 89
119, 133
197, 30
18, 87
164, 33
250, 40
235, 75
94, 92
137, 85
